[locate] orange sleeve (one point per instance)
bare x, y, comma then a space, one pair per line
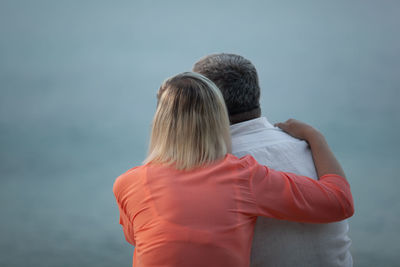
126, 226
298, 198
124, 220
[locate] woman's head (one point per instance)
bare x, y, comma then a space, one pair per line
191, 125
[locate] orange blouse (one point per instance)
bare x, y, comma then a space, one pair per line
206, 216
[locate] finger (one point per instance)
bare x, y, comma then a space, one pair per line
281, 125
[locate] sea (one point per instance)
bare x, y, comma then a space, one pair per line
78, 83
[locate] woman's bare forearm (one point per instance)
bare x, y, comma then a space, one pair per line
324, 160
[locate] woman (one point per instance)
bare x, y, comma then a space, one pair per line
194, 204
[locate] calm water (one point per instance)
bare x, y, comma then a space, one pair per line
78, 83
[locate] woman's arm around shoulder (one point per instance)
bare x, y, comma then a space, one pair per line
294, 197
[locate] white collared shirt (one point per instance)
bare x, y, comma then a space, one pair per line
283, 243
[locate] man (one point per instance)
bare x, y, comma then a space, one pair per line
276, 242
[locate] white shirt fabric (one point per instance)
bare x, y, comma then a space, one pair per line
283, 243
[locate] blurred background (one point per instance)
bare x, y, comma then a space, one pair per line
78, 82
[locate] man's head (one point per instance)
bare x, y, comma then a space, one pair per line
237, 78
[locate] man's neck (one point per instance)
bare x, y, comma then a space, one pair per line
245, 116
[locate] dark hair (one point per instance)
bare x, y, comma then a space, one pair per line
237, 79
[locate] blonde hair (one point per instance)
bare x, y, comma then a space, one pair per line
191, 125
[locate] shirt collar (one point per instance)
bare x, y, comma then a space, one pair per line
254, 124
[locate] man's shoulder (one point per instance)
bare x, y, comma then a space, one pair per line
265, 137
276, 149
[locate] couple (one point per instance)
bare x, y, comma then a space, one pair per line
206, 187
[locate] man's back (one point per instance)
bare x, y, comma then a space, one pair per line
283, 243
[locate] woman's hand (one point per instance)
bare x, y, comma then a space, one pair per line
299, 129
